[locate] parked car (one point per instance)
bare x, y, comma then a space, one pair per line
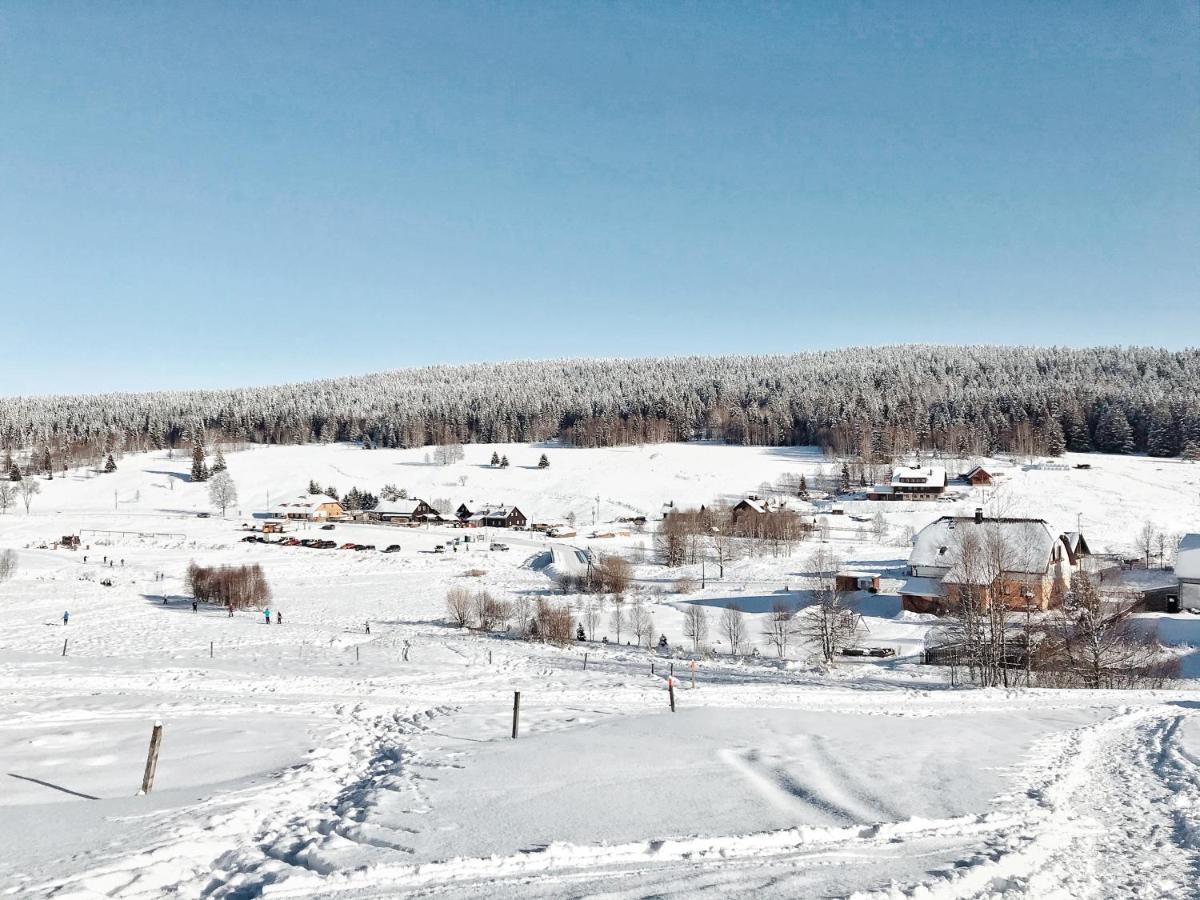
349, 546
496, 545
328, 527
392, 548
881, 652
439, 549
365, 547
203, 515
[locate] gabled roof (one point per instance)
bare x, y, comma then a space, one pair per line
977, 469
1075, 543
917, 476
399, 507
754, 503
1027, 543
308, 502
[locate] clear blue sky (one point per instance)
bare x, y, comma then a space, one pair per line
216, 194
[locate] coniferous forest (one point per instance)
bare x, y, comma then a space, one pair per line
872, 402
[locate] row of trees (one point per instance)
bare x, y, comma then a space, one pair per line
868, 402
690, 536
236, 587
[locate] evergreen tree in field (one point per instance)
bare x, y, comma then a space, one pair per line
504, 462
881, 450
199, 468
1191, 451
47, 463
544, 462
1114, 434
1056, 441
845, 484
1160, 441
110, 464
495, 458
1075, 430
802, 490
331, 491
313, 487
218, 463
367, 500
14, 472
353, 500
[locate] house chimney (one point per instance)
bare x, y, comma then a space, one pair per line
978, 514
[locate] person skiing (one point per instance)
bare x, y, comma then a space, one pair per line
368, 627
66, 617
267, 615
278, 617
195, 606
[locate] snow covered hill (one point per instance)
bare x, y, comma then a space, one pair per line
363, 749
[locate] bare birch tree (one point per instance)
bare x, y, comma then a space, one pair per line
733, 626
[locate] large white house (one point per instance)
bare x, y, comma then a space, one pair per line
1187, 568
912, 483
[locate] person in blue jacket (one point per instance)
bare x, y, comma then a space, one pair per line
267, 615
66, 617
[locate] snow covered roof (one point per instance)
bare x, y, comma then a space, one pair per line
1187, 559
931, 476
755, 504
398, 507
922, 587
1028, 543
307, 502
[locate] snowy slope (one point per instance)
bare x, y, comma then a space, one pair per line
312, 759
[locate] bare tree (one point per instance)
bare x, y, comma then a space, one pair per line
8, 496
28, 489
779, 627
723, 548
459, 606
8, 565
618, 621
1147, 540
829, 623
695, 625
490, 612
593, 614
1098, 645
733, 626
222, 491
522, 614
640, 621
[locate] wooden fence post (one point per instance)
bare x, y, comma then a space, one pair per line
651, 667
516, 711
356, 652
64, 653
585, 662
152, 758
210, 649
671, 691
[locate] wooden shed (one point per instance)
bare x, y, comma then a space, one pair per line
856, 581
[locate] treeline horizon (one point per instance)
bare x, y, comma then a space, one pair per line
873, 403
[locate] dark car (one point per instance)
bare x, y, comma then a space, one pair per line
392, 548
249, 539
350, 546
328, 527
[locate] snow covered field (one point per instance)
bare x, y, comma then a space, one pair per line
312, 760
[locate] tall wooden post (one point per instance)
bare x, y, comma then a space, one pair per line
64, 647
671, 691
210, 649
585, 661
356, 653
152, 758
516, 711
